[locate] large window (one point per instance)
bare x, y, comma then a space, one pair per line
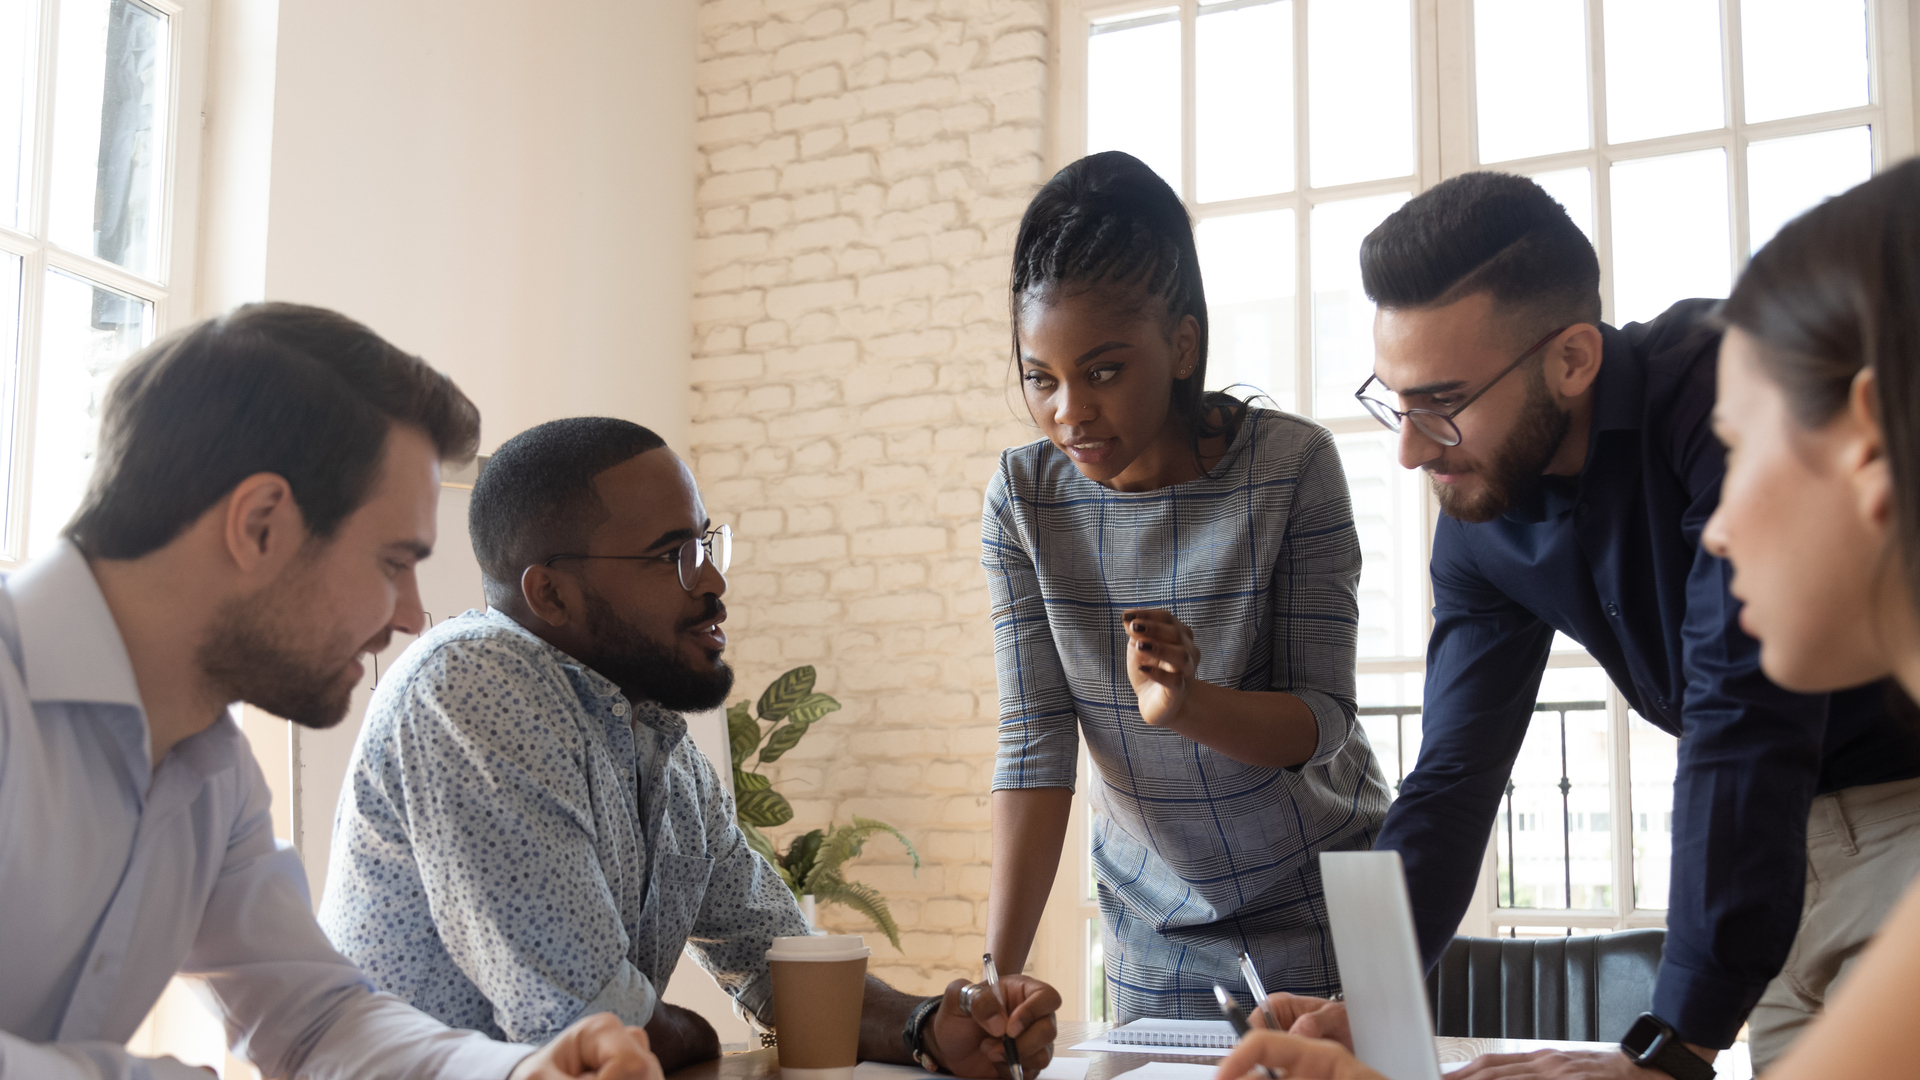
1680, 135
93, 256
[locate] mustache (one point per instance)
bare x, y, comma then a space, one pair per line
715, 610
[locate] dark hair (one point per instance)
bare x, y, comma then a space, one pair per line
1837, 290
1108, 221
299, 391
1485, 232
535, 498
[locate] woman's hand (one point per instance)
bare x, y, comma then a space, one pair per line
1161, 661
1292, 1058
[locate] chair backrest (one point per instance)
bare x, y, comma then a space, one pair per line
1588, 988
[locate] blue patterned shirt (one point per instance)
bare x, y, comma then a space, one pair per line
1197, 855
517, 846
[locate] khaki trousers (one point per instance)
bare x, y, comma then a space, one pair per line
1863, 847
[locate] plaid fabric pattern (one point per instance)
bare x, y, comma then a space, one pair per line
1197, 855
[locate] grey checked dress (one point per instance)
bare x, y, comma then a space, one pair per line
1197, 856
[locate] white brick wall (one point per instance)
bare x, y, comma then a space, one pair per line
862, 165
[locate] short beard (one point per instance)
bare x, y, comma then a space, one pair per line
1516, 470
648, 670
248, 656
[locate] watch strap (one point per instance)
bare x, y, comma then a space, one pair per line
913, 1035
1673, 1058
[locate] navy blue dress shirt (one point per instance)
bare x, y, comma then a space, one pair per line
1612, 558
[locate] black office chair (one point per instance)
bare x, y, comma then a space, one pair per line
1588, 988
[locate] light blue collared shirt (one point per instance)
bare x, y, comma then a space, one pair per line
114, 876
518, 846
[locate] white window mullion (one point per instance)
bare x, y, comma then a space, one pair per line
1302, 221
1620, 777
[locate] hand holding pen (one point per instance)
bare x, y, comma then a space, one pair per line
992, 975
1231, 1009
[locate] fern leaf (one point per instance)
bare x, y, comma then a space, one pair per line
863, 898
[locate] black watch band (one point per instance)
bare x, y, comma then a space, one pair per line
1652, 1043
914, 1034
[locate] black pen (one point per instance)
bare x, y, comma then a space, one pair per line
1006, 1041
1239, 1021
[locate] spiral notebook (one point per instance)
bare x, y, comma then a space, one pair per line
1198, 1038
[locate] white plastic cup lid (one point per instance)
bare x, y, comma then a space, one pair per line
819, 948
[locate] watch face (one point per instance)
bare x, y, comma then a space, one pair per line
1644, 1036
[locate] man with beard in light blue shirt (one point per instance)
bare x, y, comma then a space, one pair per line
264, 487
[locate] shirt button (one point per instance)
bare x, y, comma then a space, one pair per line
1613, 610
1662, 702
619, 708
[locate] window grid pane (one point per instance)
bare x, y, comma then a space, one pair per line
85, 332
1359, 103
1247, 264
1133, 93
1671, 235
1788, 176
19, 34
1802, 56
1664, 75
1243, 90
1529, 99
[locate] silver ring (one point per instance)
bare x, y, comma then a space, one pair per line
968, 994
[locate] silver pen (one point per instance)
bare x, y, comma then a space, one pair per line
1231, 1010
1006, 1041
1258, 989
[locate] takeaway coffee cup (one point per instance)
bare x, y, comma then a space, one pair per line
819, 983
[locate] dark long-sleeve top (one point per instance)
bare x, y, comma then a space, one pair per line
1612, 558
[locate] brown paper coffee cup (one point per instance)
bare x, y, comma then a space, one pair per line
819, 985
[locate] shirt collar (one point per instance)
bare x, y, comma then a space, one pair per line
1620, 390
70, 647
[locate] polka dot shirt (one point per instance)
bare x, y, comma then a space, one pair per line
518, 846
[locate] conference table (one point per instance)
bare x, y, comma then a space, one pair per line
765, 1064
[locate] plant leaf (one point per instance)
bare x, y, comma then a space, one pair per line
782, 739
785, 692
831, 888
845, 843
800, 857
742, 733
813, 707
764, 807
744, 782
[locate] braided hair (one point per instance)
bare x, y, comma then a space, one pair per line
1109, 222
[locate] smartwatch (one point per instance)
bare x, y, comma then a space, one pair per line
1651, 1043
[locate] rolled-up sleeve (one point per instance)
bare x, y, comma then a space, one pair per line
1316, 607
1039, 739
746, 906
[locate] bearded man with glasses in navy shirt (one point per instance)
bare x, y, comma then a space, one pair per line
1574, 491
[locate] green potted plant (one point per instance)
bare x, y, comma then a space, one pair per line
812, 866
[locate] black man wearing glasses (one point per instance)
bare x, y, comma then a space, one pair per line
528, 835
1575, 467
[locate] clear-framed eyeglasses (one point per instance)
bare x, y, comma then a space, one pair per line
1439, 426
715, 546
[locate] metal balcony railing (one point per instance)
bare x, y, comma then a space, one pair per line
1562, 708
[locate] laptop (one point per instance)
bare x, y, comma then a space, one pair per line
1380, 971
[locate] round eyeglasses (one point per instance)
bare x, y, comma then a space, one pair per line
1439, 426
715, 545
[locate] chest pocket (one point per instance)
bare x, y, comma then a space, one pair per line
680, 887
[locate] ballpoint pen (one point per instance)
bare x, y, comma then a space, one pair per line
1239, 1021
1006, 1041
1257, 988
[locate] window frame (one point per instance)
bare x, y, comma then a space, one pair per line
1445, 136
171, 292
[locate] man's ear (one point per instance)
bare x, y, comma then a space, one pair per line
262, 525
546, 595
1576, 359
